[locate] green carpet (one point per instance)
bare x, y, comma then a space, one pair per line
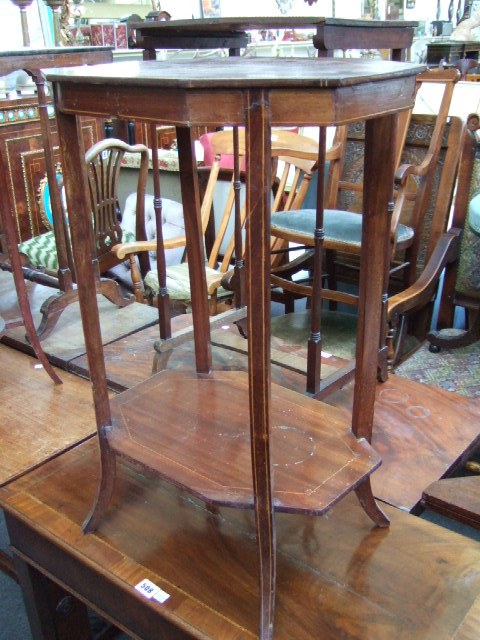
455, 370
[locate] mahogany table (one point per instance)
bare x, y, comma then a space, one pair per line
232, 33
338, 577
33, 61
210, 432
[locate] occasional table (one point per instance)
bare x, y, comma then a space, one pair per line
230, 438
232, 33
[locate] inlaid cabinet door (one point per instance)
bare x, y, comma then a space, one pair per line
22, 159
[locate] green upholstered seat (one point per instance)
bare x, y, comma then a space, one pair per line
41, 251
178, 282
340, 226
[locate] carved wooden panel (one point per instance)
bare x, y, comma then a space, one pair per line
22, 158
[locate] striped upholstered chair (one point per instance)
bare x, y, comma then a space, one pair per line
103, 161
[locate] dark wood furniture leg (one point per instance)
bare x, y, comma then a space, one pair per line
10, 236
7, 566
372, 299
69, 130
258, 141
53, 613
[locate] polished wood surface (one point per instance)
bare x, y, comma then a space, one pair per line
412, 420
235, 73
315, 456
337, 576
456, 498
39, 420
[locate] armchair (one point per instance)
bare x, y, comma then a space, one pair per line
462, 276
294, 160
39, 254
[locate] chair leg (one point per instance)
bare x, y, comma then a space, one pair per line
52, 309
370, 505
7, 566
111, 290
331, 276
160, 358
464, 339
136, 280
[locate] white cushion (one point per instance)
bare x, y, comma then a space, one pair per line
173, 224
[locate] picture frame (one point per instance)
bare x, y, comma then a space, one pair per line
44, 200
210, 8
370, 9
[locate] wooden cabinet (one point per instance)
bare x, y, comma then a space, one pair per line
22, 158
451, 51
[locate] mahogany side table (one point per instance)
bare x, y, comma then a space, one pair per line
232, 438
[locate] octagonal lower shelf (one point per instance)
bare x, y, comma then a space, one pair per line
194, 430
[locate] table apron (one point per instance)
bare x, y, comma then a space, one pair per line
213, 107
101, 592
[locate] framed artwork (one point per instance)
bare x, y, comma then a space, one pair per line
210, 8
44, 199
370, 9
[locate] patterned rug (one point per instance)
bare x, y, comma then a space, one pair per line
455, 370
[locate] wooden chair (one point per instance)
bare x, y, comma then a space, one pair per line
457, 252
461, 285
40, 256
410, 228
417, 177
294, 160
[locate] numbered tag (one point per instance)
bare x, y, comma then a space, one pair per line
150, 591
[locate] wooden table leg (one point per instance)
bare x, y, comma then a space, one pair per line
258, 152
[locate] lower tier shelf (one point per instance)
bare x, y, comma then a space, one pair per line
194, 430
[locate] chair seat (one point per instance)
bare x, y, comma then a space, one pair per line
342, 228
178, 282
41, 251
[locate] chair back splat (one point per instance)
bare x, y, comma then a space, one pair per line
103, 162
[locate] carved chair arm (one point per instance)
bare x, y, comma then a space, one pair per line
125, 249
418, 294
